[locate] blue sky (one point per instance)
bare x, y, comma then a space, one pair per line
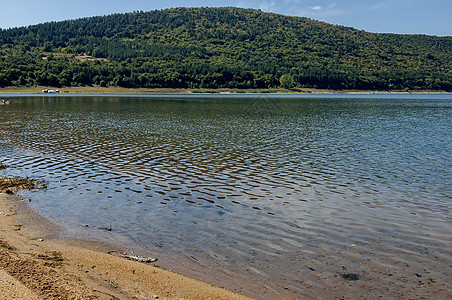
397, 16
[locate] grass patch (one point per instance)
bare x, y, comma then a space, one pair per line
8, 185
205, 91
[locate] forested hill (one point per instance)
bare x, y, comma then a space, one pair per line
220, 48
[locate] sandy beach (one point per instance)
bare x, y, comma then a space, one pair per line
34, 266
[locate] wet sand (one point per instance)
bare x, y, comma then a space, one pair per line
33, 265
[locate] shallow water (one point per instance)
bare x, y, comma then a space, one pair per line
288, 192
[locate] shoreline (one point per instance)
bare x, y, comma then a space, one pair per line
36, 264
175, 91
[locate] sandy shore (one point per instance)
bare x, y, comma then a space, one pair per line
34, 266
170, 91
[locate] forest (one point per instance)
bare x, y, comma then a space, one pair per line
220, 48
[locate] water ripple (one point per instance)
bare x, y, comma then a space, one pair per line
336, 186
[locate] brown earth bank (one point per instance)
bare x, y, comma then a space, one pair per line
145, 91
33, 267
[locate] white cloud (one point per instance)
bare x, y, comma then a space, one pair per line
267, 5
380, 5
322, 12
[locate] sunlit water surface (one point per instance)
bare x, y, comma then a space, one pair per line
271, 196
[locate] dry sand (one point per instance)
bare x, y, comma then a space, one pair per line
36, 268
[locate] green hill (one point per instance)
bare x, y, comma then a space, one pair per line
220, 48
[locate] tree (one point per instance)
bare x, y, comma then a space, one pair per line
286, 81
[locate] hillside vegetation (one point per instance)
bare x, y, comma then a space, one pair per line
220, 48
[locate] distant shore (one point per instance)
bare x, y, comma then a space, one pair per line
175, 91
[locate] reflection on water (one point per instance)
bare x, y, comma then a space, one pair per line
287, 192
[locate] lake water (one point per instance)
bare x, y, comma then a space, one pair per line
273, 196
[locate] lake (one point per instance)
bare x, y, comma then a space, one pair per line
274, 196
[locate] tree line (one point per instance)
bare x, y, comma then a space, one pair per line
220, 48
